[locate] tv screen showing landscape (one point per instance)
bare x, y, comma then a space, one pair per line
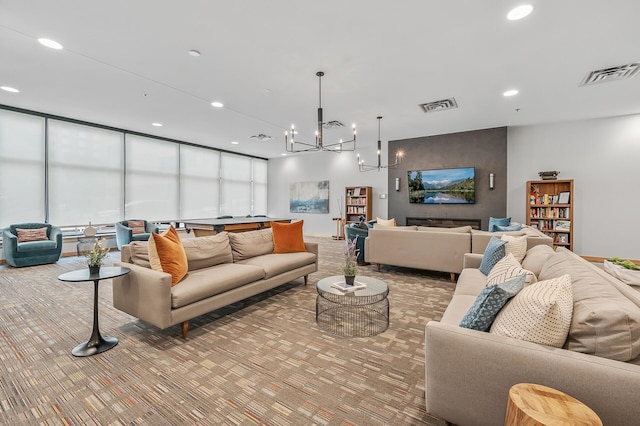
443, 186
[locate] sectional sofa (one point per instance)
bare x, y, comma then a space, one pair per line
223, 269
468, 373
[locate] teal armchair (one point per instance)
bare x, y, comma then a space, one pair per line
124, 233
31, 253
354, 231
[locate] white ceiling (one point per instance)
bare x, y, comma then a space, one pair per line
126, 64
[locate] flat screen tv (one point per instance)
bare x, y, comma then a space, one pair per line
443, 186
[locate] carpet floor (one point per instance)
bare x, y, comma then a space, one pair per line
260, 361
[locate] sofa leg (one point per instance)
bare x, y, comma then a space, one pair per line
453, 277
185, 327
378, 266
306, 277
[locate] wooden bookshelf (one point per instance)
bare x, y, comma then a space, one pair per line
550, 209
358, 202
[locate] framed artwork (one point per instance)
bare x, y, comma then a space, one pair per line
563, 197
309, 197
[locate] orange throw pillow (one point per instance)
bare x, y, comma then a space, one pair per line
287, 237
166, 254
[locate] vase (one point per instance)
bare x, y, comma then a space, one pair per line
349, 279
94, 269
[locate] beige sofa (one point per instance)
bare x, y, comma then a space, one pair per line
223, 269
468, 373
434, 248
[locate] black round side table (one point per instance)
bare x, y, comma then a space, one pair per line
96, 343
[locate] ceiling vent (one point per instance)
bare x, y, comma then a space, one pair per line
441, 105
611, 74
333, 124
261, 137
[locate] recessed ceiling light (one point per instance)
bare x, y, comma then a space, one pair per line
511, 92
283, 154
9, 89
519, 12
50, 43
157, 124
235, 143
194, 52
217, 104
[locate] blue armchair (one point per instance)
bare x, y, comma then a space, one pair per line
29, 253
124, 233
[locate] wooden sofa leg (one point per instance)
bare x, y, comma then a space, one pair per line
453, 277
306, 277
378, 266
185, 327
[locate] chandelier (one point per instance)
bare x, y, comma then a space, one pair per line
293, 145
367, 168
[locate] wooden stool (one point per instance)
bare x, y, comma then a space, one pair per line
531, 404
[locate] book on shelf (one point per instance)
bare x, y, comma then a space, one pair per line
342, 286
562, 225
356, 192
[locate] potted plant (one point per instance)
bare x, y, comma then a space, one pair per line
96, 256
350, 267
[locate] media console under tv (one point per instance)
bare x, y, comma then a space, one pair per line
444, 222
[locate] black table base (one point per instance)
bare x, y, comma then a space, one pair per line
90, 348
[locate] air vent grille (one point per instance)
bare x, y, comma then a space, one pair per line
261, 137
440, 105
611, 74
332, 124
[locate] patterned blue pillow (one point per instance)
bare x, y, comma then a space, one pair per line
492, 254
516, 227
489, 302
495, 221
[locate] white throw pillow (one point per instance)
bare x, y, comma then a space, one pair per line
383, 222
540, 313
515, 245
506, 268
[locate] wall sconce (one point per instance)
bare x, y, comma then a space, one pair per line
397, 184
492, 181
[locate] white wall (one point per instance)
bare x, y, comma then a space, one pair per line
340, 170
603, 158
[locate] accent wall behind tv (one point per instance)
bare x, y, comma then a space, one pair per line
485, 150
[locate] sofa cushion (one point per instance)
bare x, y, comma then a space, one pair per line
540, 313
461, 229
605, 323
141, 237
396, 228
212, 250
383, 222
498, 221
507, 268
276, 264
36, 246
28, 235
252, 243
203, 283
489, 302
166, 254
516, 246
140, 253
288, 237
492, 254
536, 257
470, 282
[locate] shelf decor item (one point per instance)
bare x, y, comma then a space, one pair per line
549, 175
96, 256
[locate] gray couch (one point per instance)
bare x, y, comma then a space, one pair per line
468, 373
223, 269
434, 248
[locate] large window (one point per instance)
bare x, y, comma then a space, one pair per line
151, 179
259, 192
235, 180
199, 183
86, 174
22, 172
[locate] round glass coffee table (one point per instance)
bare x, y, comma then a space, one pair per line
360, 313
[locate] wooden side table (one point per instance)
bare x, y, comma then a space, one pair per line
339, 228
530, 404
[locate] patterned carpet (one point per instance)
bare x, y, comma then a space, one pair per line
262, 361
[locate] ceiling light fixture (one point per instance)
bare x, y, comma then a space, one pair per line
9, 89
367, 168
235, 142
511, 92
217, 104
194, 52
50, 43
519, 12
156, 124
292, 145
